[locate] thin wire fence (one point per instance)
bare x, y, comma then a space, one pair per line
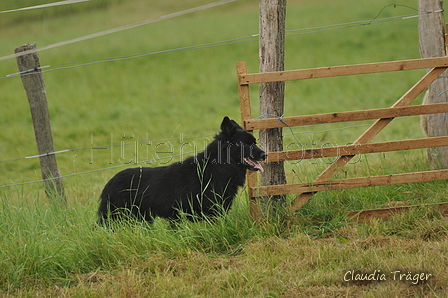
233, 41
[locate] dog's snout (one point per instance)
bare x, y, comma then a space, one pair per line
263, 155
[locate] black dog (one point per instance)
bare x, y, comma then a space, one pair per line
200, 185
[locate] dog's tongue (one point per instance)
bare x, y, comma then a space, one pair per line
255, 164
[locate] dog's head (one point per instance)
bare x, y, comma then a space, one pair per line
241, 146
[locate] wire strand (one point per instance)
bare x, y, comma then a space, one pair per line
122, 28
123, 58
45, 5
249, 38
102, 147
96, 170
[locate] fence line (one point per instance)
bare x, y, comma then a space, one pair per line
103, 146
98, 170
123, 58
122, 28
45, 5
249, 38
348, 25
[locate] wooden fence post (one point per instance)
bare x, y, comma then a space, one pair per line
272, 48
34, 85
433, 44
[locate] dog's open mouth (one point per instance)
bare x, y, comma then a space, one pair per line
253, 164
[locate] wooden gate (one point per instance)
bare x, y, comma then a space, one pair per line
361, 145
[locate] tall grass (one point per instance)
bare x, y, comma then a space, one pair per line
51, 250
49, 244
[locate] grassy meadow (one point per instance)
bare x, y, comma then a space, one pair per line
167, 104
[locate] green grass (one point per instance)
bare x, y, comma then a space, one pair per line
53, 251
59, 252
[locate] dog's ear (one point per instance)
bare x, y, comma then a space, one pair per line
236, 124
228, 127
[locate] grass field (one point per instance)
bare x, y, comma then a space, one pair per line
165, 105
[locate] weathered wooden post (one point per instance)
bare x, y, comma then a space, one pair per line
432, 44
34, 85
272, 52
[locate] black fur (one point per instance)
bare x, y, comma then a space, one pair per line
199, 185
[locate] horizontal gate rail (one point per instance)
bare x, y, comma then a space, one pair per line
348, 183
345, 70
350, 150
254, 124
